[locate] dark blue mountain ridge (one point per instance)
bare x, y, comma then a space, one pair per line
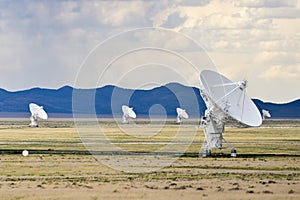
158, 101
285, 110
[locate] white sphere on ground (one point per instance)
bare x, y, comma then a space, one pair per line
25, 153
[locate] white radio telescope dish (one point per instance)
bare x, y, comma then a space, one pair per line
37, 112
265, 113
128, 113
226, 102
181, 114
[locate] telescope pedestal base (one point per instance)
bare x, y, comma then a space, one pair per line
215, 141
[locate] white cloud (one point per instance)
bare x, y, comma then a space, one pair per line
274, 13
289, 45
266, 3
280, 72
221, 21
193, 2
276, 57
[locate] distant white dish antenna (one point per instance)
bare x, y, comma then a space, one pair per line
36, 112
128, 113
265, 113
181, 114
226, 102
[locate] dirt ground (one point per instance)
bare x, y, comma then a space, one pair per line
202, 189
81, 177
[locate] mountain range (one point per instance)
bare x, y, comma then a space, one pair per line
107, 102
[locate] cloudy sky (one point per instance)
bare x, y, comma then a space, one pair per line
44, 43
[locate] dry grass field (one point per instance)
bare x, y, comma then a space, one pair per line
60, 167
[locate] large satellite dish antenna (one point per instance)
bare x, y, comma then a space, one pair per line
128, 113
265, 114
181, 114
36, 112
226, 102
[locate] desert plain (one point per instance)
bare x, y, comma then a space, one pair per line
61, 166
